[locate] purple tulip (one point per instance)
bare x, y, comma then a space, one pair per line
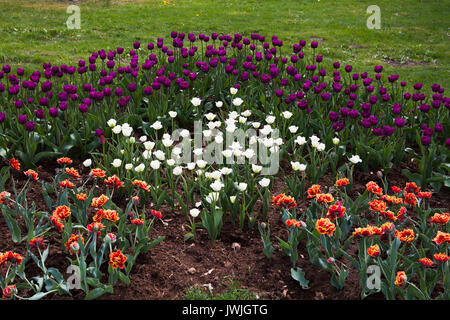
426, 140
399, 122
334, 116
29, 126
353, 114
338, 126
424, 107
378, 131
53, 112
427, 131
22, 118
302, 104
388, 131
83, 108
18, 104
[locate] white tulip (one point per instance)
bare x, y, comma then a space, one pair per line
159, 155
216, 185
177, 151
336, 140
156, 125
237, 152
242, 119
231, 128
218, 139
300, 140
264, 182
87, 162
126, 131
246, 113
155, 164
355, 159
286, 114
198, 152
128, 166
149, 145
196, 102
177, 170
112, 123
117, 129
242, 186
314, 139
227, 153
173, 114
266, 130
194, 212
191, 165
140, 168
296, 166
185, 133
207, 133
201, 163
270, 119
233, 115
216, 175
117, 163
219, 104
293, 129
233, 91
212, 197
237, 102
268, 142
146, 154
249, 153
167, 142
256, 168
226, 171
321, 147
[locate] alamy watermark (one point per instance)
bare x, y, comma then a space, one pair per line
74, 280
373, 281
235, 146
74, 20
374, 20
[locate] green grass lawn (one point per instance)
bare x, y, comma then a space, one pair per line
413, 40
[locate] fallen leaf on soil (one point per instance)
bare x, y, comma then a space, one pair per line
192, 270
209, 272
235, 246
319, 296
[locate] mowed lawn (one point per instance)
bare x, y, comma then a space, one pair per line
413, 40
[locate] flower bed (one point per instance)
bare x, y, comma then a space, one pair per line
203, 128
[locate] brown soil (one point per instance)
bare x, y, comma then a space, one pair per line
174, 265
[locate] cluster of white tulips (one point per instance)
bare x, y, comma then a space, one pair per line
219, 172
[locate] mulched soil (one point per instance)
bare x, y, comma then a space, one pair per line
174, 265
